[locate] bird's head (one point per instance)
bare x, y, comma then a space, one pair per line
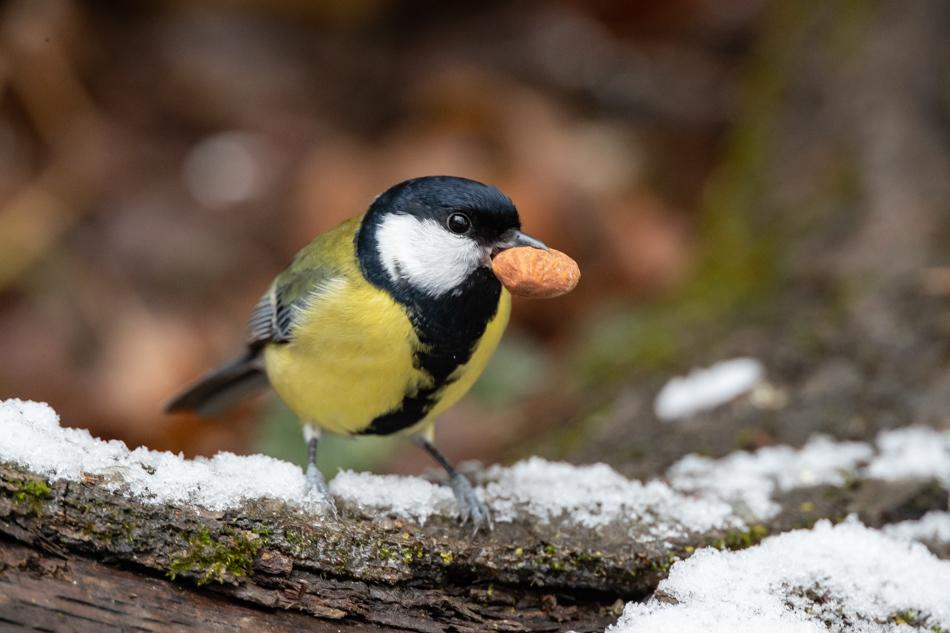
433, 233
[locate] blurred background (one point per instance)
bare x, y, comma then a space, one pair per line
748, 177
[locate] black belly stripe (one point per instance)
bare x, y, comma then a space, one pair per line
412, 409
450, 328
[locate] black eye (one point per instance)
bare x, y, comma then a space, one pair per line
459, 223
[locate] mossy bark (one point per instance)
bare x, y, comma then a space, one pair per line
133, 559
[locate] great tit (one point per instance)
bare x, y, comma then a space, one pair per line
382, 323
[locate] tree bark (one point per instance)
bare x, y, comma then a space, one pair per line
77, 557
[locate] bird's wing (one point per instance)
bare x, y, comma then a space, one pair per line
315, 269
294, 293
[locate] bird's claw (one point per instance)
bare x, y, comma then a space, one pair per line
470, 506
316, 487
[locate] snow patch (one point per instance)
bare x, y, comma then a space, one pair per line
596, 495
914, 452
408, 497
33, 438
830, 578
748, 481
708, 388
933, 527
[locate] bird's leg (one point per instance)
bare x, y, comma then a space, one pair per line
470, 506
314, 482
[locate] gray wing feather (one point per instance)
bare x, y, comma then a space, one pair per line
271, 320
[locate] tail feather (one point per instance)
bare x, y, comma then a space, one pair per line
222, 387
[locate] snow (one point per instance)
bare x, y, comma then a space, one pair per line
596, 495
700, 493
914, 452
933, 527
830, 578
707, 388
32, 437
748, 481
408, 497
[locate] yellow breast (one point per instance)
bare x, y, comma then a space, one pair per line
352, 359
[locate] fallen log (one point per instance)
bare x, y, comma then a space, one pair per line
86, 555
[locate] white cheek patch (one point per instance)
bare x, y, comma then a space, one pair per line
425, 254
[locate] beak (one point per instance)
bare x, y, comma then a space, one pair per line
513, 238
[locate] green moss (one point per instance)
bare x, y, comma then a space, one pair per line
128, 528
736, 539
548, 557
295, 538
740, 539
399, 553
586, 558
229, 555
916, 619
386, 553
411, 554
32, 493
662, 566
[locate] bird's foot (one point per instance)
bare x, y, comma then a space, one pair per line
315, 488
470, 506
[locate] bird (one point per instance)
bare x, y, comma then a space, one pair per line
382, 323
